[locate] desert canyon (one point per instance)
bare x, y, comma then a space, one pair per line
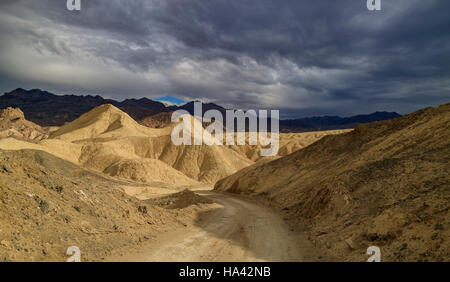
116, 187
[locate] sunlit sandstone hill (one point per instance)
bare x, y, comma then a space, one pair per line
13, 124
108, 140
288, 143
384, 184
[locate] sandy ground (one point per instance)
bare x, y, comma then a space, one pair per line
237, 229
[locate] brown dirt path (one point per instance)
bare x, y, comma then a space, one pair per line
238, 230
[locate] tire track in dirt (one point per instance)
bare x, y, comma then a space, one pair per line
238, 230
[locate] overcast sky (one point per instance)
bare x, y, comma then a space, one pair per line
301, 56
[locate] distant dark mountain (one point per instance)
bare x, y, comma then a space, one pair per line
333, 122
141, 108
205, 107
47, 109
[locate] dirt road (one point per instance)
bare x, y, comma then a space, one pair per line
238, 230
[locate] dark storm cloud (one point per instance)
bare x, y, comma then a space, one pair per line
322, 57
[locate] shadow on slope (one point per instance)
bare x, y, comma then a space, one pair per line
385, 184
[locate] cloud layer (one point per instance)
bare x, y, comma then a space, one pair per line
303, 57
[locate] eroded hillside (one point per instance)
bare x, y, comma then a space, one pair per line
13, 124
48, 204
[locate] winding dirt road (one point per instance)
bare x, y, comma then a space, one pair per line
237, 231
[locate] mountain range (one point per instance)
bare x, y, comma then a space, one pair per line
47, 109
